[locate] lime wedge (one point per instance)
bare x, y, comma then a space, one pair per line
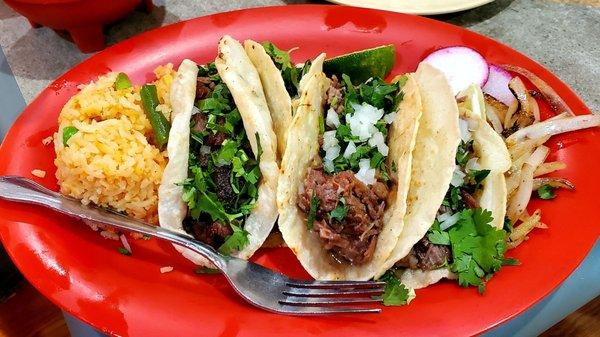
364, 64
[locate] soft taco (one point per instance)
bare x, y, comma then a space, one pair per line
465, 193
345, 172
220, 182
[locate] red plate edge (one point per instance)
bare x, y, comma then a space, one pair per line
347, 21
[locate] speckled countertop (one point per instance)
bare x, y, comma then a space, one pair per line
561, 34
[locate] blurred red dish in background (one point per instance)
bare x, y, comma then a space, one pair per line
83, 19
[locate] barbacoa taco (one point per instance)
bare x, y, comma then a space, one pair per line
221, 179
465, 196
345, 172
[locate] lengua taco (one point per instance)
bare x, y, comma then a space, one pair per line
221, 179
472, 158
345, 172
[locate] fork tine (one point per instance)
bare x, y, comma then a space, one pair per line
316, 301
334, 284
307, 292
302, 310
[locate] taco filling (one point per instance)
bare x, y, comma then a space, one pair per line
344, 196
223, 174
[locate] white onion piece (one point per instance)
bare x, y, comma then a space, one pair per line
518, 202
538, 156
362, 121
535, 108
350, 150
465, 134
365, 173
509, 113
125, 243
332, 152
332, 119
378, 141
497, 85
458, 177
166, 269
554, 127
555, 101
462, 66
204, 149
554, 182
389, 118
444, 216
493, 118
550, 167
329, 140
472, 164
195, 110
449, 222
328, 165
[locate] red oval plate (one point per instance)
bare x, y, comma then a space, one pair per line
86, 276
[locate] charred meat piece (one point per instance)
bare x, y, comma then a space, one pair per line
469, 200
213, 234
225, 192
335, 94
204, 87
353, 239
199, 120
426, 256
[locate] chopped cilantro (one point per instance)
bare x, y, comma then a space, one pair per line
312, 213
124, 251
234, 242
395, 293
437, 236
289, 72
546, 192
464, 152
339, 212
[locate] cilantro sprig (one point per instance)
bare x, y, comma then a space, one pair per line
289, 72
395, 293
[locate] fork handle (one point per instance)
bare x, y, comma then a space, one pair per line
19, 189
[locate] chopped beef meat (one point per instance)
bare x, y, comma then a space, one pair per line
216, 139
469, 200
426, 256
335, 94
199, 120
204, 87
353, 239
212, 234
224, 189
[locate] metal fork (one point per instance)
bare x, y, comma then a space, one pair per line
258, 285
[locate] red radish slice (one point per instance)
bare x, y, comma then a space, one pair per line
462, 66
497, 85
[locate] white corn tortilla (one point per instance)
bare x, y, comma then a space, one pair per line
242, 79
303, 151
433, 160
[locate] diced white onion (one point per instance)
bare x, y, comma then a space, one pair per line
166, 269
366, 174
328, 165
465, 134
204, 149
363, 119
472, 164
389, 118
450, 221
458, 177
350, 150
329, 139
195, 110
332, 153
444, 216
125, 243
377, 140
332, 119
